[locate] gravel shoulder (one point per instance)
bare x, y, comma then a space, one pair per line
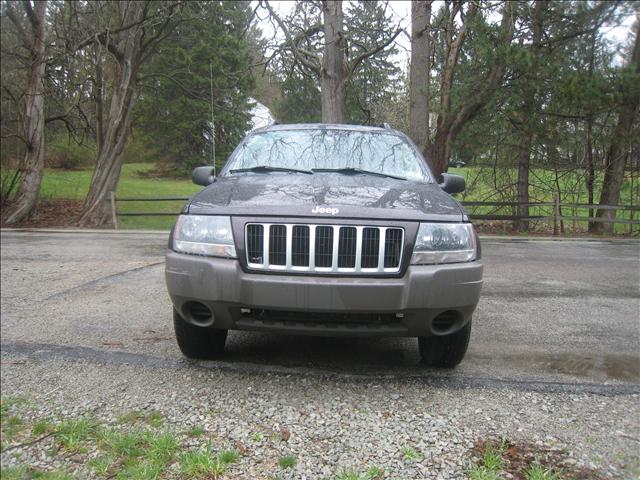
329, 425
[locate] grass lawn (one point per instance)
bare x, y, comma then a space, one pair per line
73, 185
64, 184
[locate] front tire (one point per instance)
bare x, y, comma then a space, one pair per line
198, 342
445, 351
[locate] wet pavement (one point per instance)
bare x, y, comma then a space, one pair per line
555, 315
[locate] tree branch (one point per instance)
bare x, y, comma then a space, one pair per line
16, 22
369, 53
306, 58
478, 101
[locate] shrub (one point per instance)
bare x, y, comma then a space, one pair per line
66, 154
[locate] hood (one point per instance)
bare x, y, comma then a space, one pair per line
328, 195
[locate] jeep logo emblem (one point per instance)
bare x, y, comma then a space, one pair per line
332, 211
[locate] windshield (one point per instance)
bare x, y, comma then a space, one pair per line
384, 153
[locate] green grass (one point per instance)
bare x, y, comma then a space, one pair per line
538, 472
287, 461
410, 453
42, 426
543, 188
153, 418
136, 454
74, 185
24, 473
11, 425
8, 401
373, 473
73, 433
490, 466
196, 431
204, 464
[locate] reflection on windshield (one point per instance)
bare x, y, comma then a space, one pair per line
385, 153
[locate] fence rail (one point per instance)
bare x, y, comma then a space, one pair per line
556, 217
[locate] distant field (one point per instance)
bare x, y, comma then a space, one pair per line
62, 184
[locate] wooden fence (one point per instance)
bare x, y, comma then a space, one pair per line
545, 211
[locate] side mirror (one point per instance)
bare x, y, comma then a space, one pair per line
451, 183
203, 176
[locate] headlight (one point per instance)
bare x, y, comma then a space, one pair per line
444, 243
204, 235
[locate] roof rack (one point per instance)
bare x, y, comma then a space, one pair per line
385, 125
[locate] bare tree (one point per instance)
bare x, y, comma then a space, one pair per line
142, 26
32, 166
419, 70
621, 142
333, 68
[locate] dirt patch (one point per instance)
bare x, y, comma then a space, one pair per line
51, 213
517, 458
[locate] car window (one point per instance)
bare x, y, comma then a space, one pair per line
386, 153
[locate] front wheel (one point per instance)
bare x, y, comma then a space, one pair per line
445, 351
198, 342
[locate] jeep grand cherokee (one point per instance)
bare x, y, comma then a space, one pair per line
325, 230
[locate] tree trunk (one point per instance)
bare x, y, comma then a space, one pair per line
620, 146
127, 51
419, 74
334, 72
451, 121
591, 171
528, 114
99, 99
522, 224
32, 166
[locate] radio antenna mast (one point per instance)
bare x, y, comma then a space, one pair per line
213, 127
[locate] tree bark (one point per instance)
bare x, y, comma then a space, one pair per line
419, 73
99, 99
32, 166
529, 108
619, 147
334, 73
127, 50
591, 170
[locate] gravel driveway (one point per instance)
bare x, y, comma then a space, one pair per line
553, 369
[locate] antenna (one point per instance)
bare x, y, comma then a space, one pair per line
213, 126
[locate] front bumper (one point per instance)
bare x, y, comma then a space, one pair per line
412, 301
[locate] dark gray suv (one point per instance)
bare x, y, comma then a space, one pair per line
325, 230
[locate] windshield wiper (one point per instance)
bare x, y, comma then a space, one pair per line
348, 170
267, 168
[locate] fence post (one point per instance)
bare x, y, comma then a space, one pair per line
114, 214
556, 215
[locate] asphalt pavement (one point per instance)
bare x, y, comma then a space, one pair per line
553, 365
551, 311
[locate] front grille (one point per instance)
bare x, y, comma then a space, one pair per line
324, 248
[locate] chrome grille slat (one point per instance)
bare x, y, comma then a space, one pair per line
336, 248
309, 248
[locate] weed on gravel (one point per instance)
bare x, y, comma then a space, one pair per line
411, 454
287, 461
204, 464
496, 459
153, 418
373, 473
22, 473
133, 447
